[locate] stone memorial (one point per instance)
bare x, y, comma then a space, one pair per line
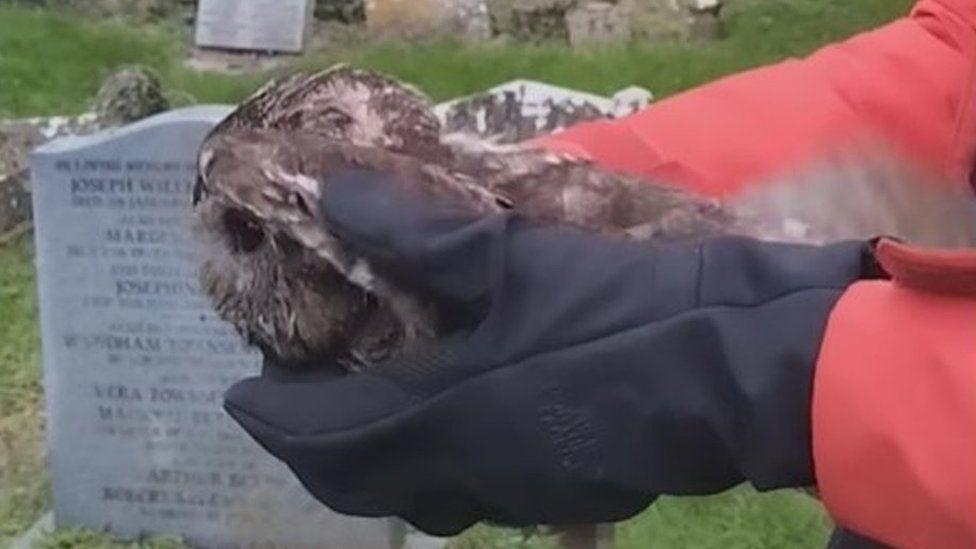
523, 109
259, 25
135, 362
466, 19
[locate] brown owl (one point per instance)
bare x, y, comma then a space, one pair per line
274, 270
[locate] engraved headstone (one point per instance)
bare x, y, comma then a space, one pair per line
260, 25
135, 363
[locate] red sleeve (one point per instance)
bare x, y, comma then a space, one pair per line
894, 413
908, 85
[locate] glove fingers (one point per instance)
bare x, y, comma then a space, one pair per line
427, 246
443, 514
344, 441
328, 435
310, 408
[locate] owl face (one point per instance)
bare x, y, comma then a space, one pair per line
258, 172
280, 296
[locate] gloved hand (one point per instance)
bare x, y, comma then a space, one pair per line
587, 376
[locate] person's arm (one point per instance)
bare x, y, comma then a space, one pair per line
894, 408
907, 86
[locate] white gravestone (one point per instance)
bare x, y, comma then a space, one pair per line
522, 109
135, 362
259, 25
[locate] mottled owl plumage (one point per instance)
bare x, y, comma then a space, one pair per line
283, 280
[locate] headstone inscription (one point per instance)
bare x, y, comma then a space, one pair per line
259, 25
136, 364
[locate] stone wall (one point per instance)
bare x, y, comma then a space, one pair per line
598, 23
584, 22
128, 95
17, 139
15, 203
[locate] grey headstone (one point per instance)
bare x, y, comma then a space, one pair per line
135, 363
260, 25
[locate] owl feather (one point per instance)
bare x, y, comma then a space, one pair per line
278, 274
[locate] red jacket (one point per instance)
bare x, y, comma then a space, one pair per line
894, 415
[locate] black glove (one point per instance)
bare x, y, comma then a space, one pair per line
588, 375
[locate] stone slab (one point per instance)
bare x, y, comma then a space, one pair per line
523, 109
467, 19
260, 25
135, 362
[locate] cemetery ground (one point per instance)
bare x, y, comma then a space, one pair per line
52, 64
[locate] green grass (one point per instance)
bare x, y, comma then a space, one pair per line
53, 64
80, 538
23, 485
758, 32
737, 519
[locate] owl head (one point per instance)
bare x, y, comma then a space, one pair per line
344, 104
268, 261
269, 268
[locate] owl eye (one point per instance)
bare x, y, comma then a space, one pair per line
334, 117
243, 232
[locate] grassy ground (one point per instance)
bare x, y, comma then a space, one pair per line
23, 486
53, 64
